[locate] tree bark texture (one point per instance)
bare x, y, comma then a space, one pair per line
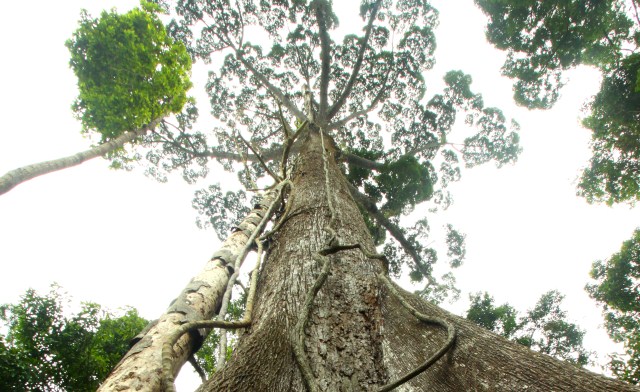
141, 367
17, 176
359, 337
343, 340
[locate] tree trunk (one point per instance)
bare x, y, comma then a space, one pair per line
141, 368
359, 337
344, 337
17, 176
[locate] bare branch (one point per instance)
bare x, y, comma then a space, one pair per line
17, 176
356, 68
262, 163
635, 9
272, 89
359, 113
325, 56
394, 230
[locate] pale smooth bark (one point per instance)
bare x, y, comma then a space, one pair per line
17, 176
141, 368
358, 336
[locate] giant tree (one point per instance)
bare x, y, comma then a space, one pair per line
341, 132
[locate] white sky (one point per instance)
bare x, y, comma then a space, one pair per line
119, 238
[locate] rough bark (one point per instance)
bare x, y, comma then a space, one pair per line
359, 337
343, 340
141, 367
17, 176
480, 360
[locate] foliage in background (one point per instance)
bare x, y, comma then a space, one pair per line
543, 328
613, 175
545, 38
129, 71
44, 349
207, 356
617, 291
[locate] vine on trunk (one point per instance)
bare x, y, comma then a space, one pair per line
170, 341
322, 256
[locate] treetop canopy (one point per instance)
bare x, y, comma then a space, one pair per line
130, 71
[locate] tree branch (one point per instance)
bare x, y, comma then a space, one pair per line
359, 161
359, 113
325, 57
635, 9
394, 230
356, 69
272, 89
262, 163
17, 176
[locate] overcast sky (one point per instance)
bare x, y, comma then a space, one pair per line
119, 238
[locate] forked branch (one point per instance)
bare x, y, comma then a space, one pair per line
372, 105
356, 68
325, 57
262, 162
272, 89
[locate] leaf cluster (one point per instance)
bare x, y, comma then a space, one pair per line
43, 349
544, 38
222, 210
129, 71
613, 175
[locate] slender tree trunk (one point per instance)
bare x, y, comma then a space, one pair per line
17, 176
359, 337
141, 367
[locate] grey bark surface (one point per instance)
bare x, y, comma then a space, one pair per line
480, 360
141, 368
359, 337
15, 177
343, 339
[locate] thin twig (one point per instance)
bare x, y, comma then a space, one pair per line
262, 163
359, 113
272, 89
